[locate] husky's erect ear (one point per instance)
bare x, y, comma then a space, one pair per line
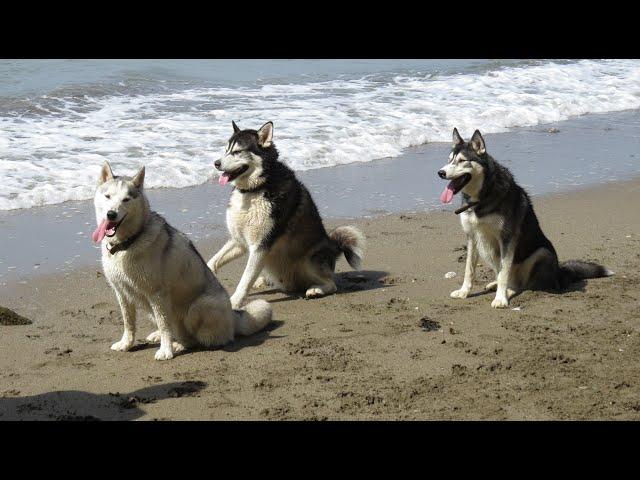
265, 135
477, 143
457, 139
138, 179
105, 174
235, 127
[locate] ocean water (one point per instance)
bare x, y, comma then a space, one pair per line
60, 119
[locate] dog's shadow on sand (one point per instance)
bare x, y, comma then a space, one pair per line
578, 286
256, 339
70, 405
347, 282
237, 344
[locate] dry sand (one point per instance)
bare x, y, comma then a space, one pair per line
390, 345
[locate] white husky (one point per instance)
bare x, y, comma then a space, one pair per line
151, 265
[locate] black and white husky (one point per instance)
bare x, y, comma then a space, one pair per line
501, 227
272, 217
153, 267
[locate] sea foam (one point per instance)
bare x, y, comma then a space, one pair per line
53, 151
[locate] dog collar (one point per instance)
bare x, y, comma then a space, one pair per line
466, 207
122, 246
251, 190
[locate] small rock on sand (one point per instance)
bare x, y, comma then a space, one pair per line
450, 274
9, 317
429, 325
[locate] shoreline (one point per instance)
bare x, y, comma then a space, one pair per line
208, 246
592, 149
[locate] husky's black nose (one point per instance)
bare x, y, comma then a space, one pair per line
217, 164
111, 215
442, 174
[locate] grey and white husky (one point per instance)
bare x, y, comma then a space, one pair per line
152, 266
502, 228
272, 217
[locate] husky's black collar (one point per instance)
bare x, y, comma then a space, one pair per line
466, 207
466, 204
251, 190
123, 246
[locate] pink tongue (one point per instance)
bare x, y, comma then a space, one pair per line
447, 195
224, 179
98, 233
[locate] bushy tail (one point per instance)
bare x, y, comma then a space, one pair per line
351, 242
574, 270
254, 317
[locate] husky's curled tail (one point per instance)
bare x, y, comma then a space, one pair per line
351, 242
254, 316
574, 270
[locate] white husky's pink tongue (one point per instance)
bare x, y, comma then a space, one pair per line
223, 179
447, 194
99, 233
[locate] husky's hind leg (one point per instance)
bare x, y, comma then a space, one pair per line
178, 346
317, 278
154, 337
493, 286
543, 273
210, 320
316, 291
263, 281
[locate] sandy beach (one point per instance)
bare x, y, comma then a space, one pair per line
391, 345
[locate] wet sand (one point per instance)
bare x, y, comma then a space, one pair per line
390, 345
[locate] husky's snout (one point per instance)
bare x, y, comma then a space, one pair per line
112, 215
442, 174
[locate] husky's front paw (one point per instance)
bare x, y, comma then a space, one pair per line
314, 292
261, 282
236, 301
164, 353
500, 302
123, 345
462, 293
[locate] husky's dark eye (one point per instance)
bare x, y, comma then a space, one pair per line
107, 196
126, 199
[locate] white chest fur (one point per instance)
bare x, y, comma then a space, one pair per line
486, 233
249, 217
121, 270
